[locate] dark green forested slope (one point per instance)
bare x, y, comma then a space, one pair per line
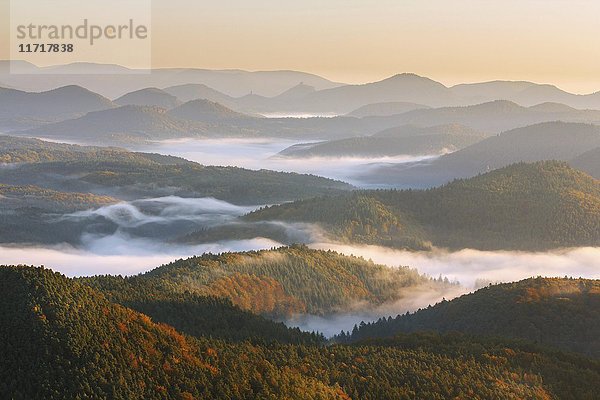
523, 206
193, 312
60, 339
560, 312
281, 282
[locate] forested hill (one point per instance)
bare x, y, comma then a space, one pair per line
564, 313
523, 206
61, 339
19, 197
282, 282
125, 174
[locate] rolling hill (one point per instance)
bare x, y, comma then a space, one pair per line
564, 313
17, 197
150, 97
41, 181
491, 117
546, 141
385, 109
205, 111
403, 140
508, 208
399, 88
189, 92
123, 124
67, 340
285, 282
588, 162
114, 80
21, 110
17, 150
524, 93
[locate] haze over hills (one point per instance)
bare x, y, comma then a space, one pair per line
122, 124
189, 92
280, 91
113, 81
149, 175
23, 109
546, 141
150, 97
41, 182
492, 117
564, 313
385, 109
506, 209
588, 162
403, 140
524, 93
399, 88
206, 111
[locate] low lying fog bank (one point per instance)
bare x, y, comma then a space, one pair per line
262, 154
166, 210
414, 299
298, 115
118, 255
474, 268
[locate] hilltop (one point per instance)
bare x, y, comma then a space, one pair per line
285, 282
552, 311
504, 209
150, 97
67, 340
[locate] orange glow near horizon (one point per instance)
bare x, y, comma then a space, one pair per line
358, 41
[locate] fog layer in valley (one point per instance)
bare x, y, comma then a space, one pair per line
261, 154
475, 268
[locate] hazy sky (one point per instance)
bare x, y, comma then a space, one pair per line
556, 41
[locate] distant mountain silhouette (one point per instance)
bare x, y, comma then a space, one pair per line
151, 97
296, 92
588, 162
545, 141
385, 109
113, 80
197, 91
399, 88
403, 140
524, 93
54, 105
124, 123
205, 111
492, 117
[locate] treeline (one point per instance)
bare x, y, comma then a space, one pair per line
111, 170
282, 282
22, 197
524, 206
61, 339
564, 313
194, 312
